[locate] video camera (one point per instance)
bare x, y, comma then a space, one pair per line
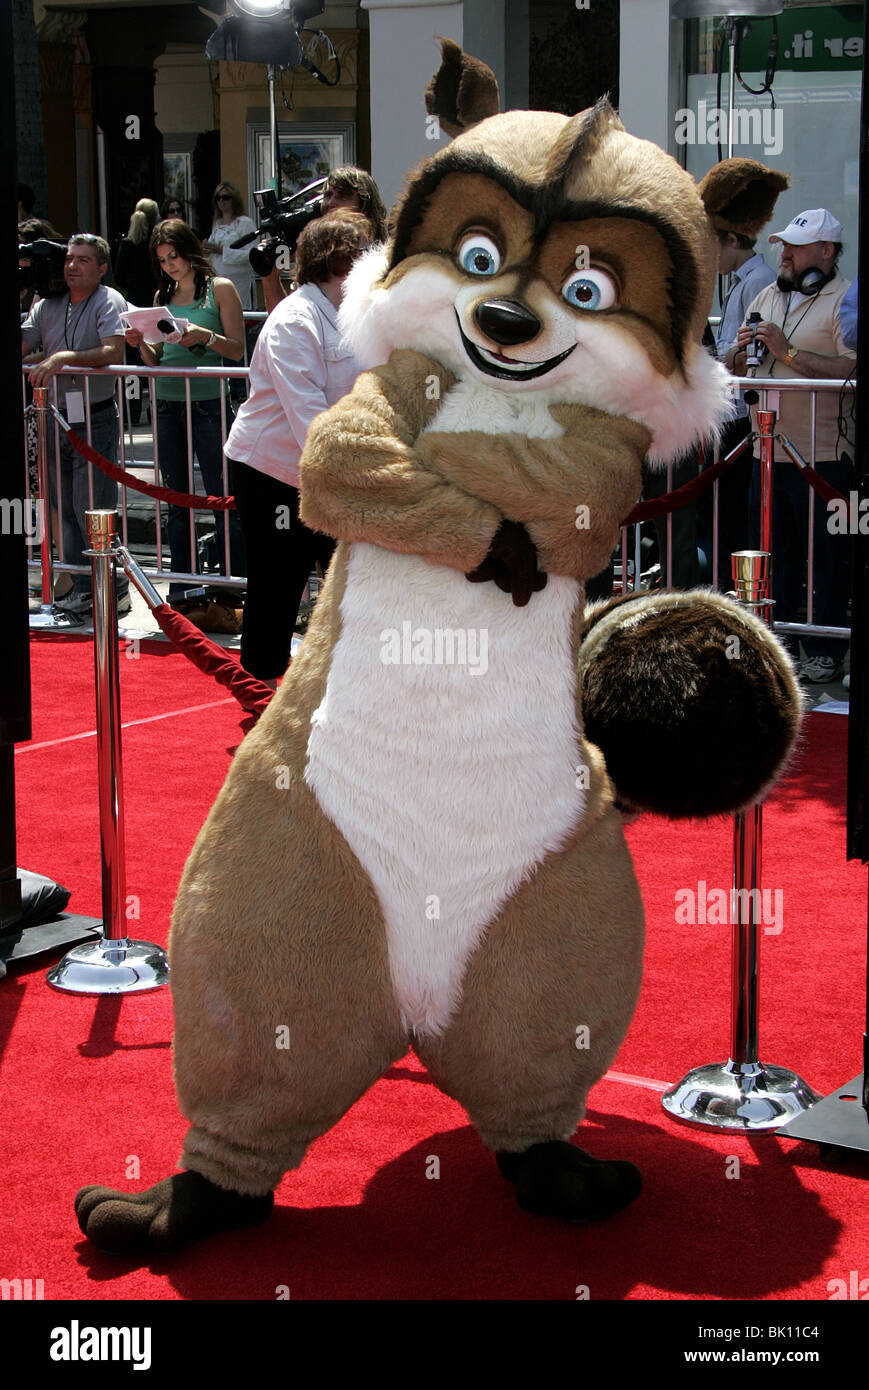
43, 272
280, 223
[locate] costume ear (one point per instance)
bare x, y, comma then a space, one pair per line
740, 194
462, 92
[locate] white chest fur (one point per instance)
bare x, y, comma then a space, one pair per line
446, 750
469, 405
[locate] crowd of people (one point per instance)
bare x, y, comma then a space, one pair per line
797, 322
299, 369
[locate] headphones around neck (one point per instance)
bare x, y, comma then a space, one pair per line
812, 280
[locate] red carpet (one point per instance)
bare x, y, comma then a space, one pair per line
87, 1089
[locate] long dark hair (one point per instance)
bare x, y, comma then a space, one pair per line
174, 232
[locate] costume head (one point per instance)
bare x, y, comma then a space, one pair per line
544, 253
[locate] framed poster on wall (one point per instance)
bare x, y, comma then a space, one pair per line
307, 152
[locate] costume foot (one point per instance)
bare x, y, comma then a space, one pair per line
558, 1179
168, 1216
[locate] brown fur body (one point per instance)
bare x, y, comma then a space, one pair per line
292, 918
276, 924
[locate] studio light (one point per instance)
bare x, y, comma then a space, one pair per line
264, 31
272, 32
719, 9
299, 10
261, 9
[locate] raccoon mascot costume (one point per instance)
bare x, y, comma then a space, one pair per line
421, 842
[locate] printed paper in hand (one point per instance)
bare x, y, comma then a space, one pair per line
146, 321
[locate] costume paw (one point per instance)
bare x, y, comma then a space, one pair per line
512, 564
168, 1216
558, 1179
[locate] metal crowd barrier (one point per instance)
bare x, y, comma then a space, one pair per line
128, 447
769, 389
139, 448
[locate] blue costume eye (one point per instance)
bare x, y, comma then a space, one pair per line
589, 289
479, 255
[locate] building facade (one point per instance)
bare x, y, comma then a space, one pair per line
131, 106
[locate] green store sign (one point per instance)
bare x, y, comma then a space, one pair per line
821, 38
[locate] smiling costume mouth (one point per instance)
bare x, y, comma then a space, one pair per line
494, 364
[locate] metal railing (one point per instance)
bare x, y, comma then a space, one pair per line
138, 449
769, 389
149, 461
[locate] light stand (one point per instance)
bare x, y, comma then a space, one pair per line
273, 131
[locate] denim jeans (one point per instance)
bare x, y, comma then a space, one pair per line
75, 493
171, 429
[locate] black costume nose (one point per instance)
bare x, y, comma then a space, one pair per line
507, 322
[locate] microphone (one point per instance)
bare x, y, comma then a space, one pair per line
167, 326
243, 241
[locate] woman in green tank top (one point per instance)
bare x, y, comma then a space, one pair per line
190, 290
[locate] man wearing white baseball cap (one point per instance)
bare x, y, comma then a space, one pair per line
816, 224
800, 335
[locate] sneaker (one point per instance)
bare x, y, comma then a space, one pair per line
820, 669
82, 604
75, 603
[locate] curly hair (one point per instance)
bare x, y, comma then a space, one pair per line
173, 232
329, 245
351, 180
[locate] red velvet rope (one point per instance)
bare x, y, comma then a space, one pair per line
162, 494
681, 496
252, 694
824, 489
672, 501
643, 511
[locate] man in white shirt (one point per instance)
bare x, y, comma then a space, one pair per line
300, 366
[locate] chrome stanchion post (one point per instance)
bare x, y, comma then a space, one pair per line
742, 1093
49, 615
765, 427
114, 964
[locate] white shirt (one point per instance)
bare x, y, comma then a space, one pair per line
300, 366
235, 264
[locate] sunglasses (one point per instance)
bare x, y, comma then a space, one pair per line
224, 197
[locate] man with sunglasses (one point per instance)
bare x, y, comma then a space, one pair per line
82, 328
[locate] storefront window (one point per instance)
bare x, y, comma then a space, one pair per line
810, 127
